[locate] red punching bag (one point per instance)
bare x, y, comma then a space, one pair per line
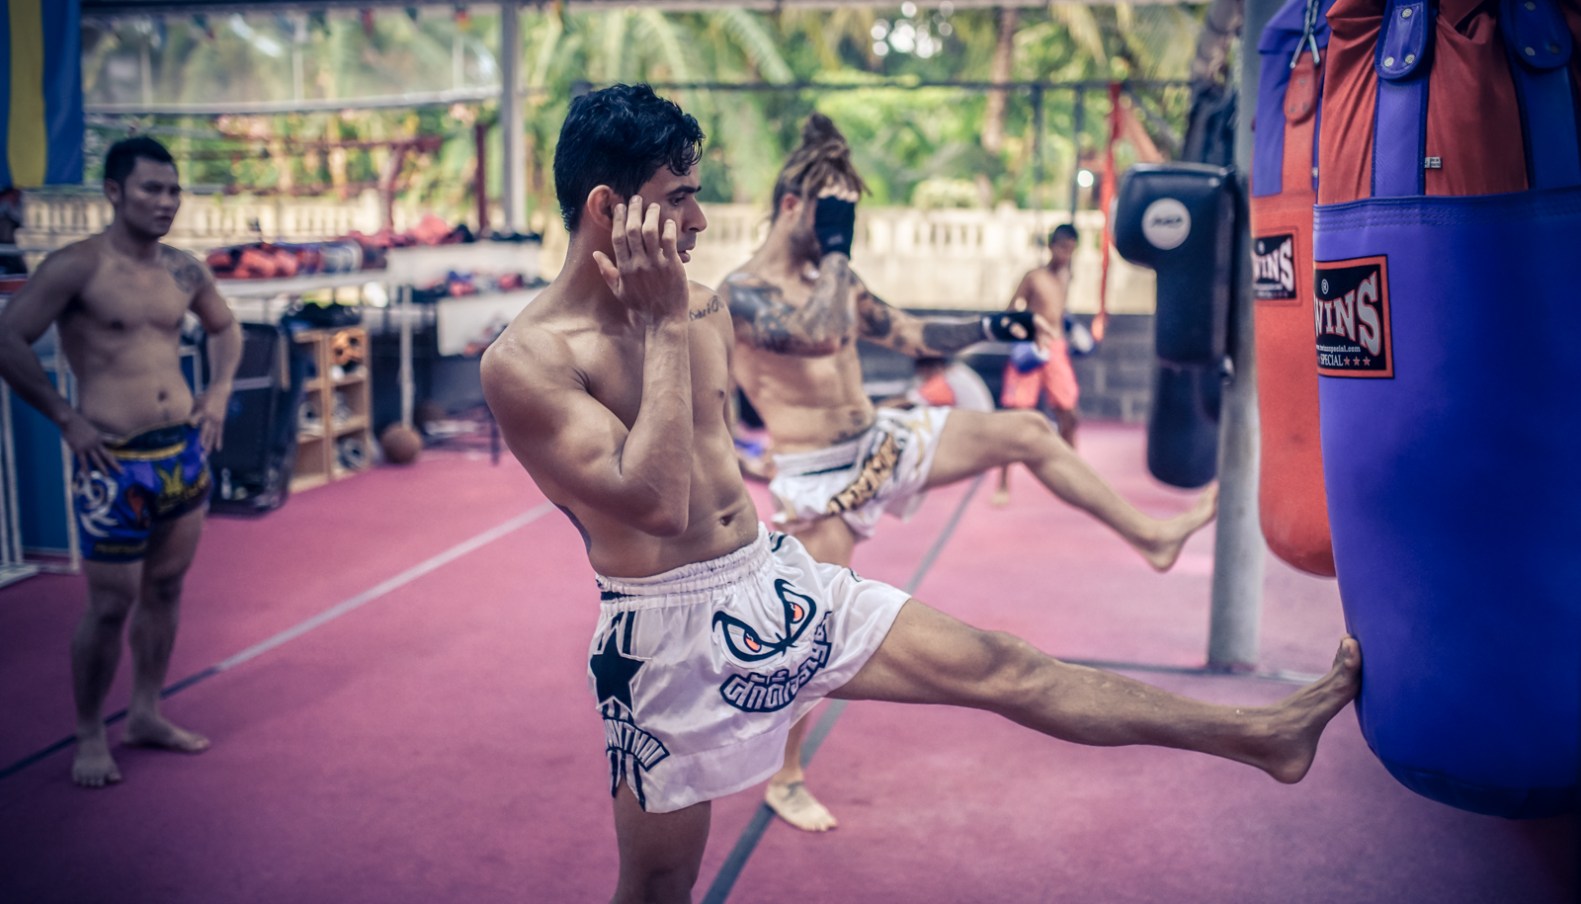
1284, 178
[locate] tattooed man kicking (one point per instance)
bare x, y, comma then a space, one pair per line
840, 463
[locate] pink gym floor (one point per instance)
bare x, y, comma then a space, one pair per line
391, 669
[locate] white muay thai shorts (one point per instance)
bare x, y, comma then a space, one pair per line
883, 470
700, 672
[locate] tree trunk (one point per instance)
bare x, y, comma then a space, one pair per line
1000, 71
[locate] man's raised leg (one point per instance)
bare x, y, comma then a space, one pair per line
931, 657
975, 441
660, 853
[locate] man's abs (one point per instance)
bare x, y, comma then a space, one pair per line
806, 403
141, 388
797, 428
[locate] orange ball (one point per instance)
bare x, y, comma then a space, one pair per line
400, 444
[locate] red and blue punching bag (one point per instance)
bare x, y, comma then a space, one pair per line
1447, 316
1294, 512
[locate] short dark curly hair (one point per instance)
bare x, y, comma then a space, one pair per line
122, 157
619, 136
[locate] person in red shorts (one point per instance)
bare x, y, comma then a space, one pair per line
1042, 378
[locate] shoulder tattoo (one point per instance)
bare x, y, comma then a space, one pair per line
184, 269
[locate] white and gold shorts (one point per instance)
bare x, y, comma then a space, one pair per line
883, 470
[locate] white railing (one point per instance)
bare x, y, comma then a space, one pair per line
969, 259
55, 218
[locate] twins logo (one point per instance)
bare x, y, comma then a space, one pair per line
1273, 268
1351, 318
753, 644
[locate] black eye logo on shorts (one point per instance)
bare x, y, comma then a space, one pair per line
750, 644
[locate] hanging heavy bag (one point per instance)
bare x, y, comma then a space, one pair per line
1293, 510
1178, 219
1446, 316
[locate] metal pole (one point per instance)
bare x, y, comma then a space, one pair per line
1079, 122
405, 309
512, 124
480, 174
1037, 151
1239, 554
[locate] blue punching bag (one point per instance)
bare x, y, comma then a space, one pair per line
1447, 316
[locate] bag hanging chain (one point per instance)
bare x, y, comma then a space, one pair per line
1308, 35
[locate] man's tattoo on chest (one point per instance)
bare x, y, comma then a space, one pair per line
951, 337
762, 310
186, 271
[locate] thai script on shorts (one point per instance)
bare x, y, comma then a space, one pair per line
756, 693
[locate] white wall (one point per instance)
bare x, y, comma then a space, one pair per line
967, 259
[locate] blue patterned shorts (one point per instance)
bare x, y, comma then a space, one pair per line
164, 475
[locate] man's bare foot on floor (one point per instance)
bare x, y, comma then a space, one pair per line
93, 767
1173, 533
1298, 721
793, 803
155, 731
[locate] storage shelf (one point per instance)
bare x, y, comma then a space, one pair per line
355, 425
318, 451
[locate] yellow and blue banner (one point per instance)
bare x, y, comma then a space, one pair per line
41, 92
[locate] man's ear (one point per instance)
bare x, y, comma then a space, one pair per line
789, 202
112, 191
600, 206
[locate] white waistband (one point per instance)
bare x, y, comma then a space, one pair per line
694, 578
840, 455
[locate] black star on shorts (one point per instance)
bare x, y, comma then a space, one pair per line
612, 673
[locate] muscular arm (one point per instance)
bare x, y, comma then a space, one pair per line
763, 319
41, 301
569, 439
44, 299
225, 340
914, 336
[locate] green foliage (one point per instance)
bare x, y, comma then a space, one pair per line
865, 66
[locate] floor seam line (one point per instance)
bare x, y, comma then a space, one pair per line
389, 585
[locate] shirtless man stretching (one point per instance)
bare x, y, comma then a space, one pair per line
840, 463
140, 438
1044, 291
715, 634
